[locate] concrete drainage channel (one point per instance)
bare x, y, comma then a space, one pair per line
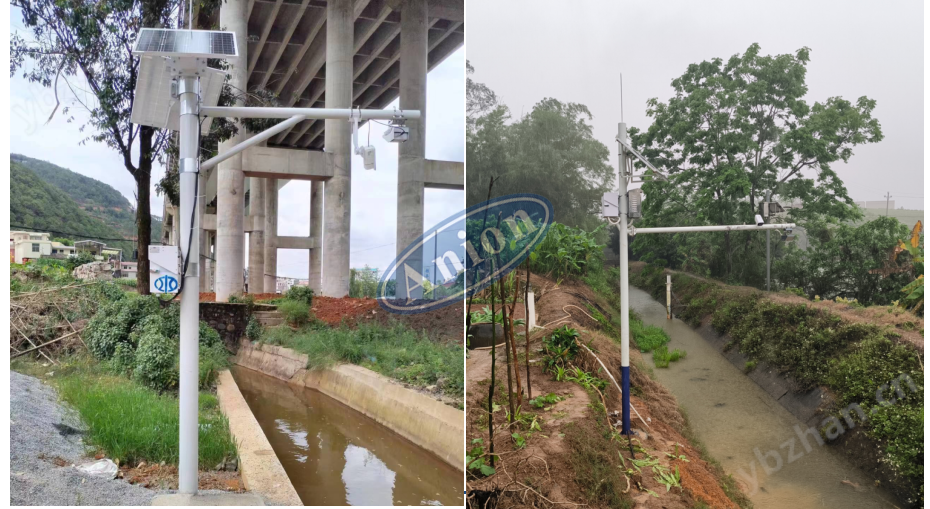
344, 435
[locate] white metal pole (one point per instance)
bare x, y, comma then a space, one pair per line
721, 228
768, 247
314, 113
624, 286
668, 296
189, 92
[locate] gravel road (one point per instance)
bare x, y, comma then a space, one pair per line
44, 432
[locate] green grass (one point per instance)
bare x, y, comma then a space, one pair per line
393, 351
661, 356
133, 423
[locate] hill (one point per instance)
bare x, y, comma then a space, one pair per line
36, 204
97, 199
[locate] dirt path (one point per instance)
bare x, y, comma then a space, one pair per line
568, 459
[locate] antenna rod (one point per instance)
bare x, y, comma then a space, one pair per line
621, 97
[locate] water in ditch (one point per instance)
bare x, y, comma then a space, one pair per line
335, 455
742, 426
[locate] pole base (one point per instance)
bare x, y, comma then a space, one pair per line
208, 499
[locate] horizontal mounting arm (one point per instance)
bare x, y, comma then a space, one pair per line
722, 228
311, 113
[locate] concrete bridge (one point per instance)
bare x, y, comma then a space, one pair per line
332, 54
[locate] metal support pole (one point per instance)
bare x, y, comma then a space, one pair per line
624, 286
668, 296
189, 97
768, 248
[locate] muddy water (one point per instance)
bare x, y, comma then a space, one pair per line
742, 426
335, 455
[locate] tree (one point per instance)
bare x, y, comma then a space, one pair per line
737, 129
550, 151
849, 261
93, 40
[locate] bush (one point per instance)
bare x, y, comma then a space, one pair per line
253, 330
213, 359
124, 358
209, 337
302, 294
156, 360
104, 331
296, 313
560, 347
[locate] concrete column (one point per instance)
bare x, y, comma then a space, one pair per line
316, 232
230, 188
338, 190
271, 234
257, 237
414, 40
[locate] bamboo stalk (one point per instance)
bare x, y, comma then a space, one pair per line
43, 345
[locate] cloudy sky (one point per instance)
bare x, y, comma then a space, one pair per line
374, 193
526, 51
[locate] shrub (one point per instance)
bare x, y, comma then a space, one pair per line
105, 330
301, 294
213, 359
560, 347
124, 358
295, 312
208, 335
253, 330
156, 359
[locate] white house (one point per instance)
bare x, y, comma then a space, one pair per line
27, 246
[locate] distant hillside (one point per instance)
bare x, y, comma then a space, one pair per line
35, 204
96, 198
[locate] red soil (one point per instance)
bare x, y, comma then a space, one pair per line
333, 310
211, 296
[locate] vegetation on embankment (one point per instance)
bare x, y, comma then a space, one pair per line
393, 351
820, 348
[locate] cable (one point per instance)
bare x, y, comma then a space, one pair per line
69, 233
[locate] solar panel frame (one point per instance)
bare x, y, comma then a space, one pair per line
173, 42
154, 105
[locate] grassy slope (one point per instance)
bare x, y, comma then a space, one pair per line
88, 193
818, 348
35, 204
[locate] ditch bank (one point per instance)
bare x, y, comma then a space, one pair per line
827, 338
424, 421
260, 469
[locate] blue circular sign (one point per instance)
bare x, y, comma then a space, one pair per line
166, 284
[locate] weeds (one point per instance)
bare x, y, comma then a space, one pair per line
661, 356
393, 351
133, 423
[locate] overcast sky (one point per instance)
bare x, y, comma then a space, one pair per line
575, 52
374, 193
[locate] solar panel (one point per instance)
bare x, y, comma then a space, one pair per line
189, 43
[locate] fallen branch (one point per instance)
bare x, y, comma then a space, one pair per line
33, 344
17, 296
43, 345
